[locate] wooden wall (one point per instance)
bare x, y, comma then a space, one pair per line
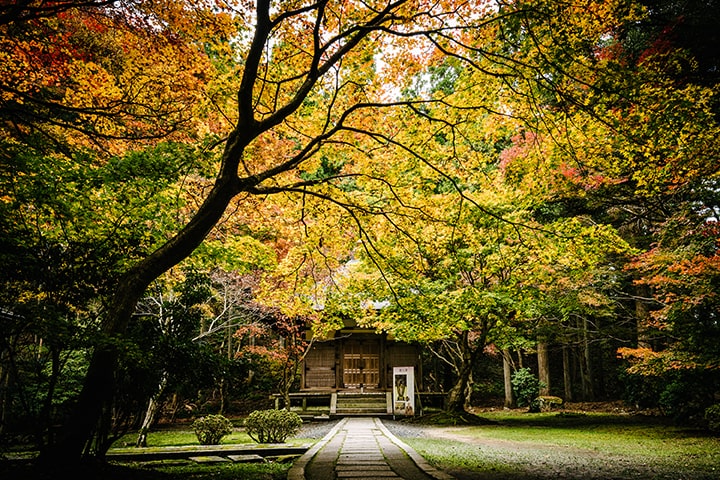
325, 365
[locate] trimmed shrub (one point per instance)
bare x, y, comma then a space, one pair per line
272, 426
211, 428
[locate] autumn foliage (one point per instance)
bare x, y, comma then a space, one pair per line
497, 176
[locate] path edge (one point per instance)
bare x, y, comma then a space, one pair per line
414, 456
297, 471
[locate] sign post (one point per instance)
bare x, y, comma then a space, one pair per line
404, 391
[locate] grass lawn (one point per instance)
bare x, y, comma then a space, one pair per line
571, 445
275, 469
512, 445
171, 438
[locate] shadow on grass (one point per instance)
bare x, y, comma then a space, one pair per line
159, 470
557, 419
449, 419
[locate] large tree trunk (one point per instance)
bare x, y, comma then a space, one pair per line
457, 396
457, 399
45, 430
543, 367
81, 435
4, 391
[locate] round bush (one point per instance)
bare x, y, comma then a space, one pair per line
272, 426
211, 428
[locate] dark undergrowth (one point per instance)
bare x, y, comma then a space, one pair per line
165, 470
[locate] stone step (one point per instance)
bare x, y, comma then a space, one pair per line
359, 397
361, 404
362, 411
361, 401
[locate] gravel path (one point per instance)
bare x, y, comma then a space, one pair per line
406, 430
320, 428
316, 428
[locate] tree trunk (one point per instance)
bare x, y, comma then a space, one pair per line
46, 429
586, 364
78, 436
598, 367
543, 367
507, 377
642, 314
151, 411
4, 392
567, 376
458, 395
222, 393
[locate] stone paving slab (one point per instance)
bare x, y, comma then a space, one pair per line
246, 458
361, 448
369, 478
209, 459
366, 468
167, 453
364, 473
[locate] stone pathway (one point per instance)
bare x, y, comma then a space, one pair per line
362, 448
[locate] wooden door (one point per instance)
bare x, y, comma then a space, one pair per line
361, 364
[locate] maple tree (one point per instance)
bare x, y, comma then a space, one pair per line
90, 80
370, 123
270, 132
276, 344
594, 143
639, 155
472, 283
24, 10
81, 86
65, 244
677, 348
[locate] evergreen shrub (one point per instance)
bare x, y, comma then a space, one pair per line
272, 426
211, 428
526, 387
686, 396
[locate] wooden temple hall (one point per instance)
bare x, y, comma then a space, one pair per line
359, 372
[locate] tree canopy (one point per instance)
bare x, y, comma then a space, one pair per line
498, 173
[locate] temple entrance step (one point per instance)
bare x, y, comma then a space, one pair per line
351, 403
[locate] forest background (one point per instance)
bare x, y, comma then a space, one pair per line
188, 185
